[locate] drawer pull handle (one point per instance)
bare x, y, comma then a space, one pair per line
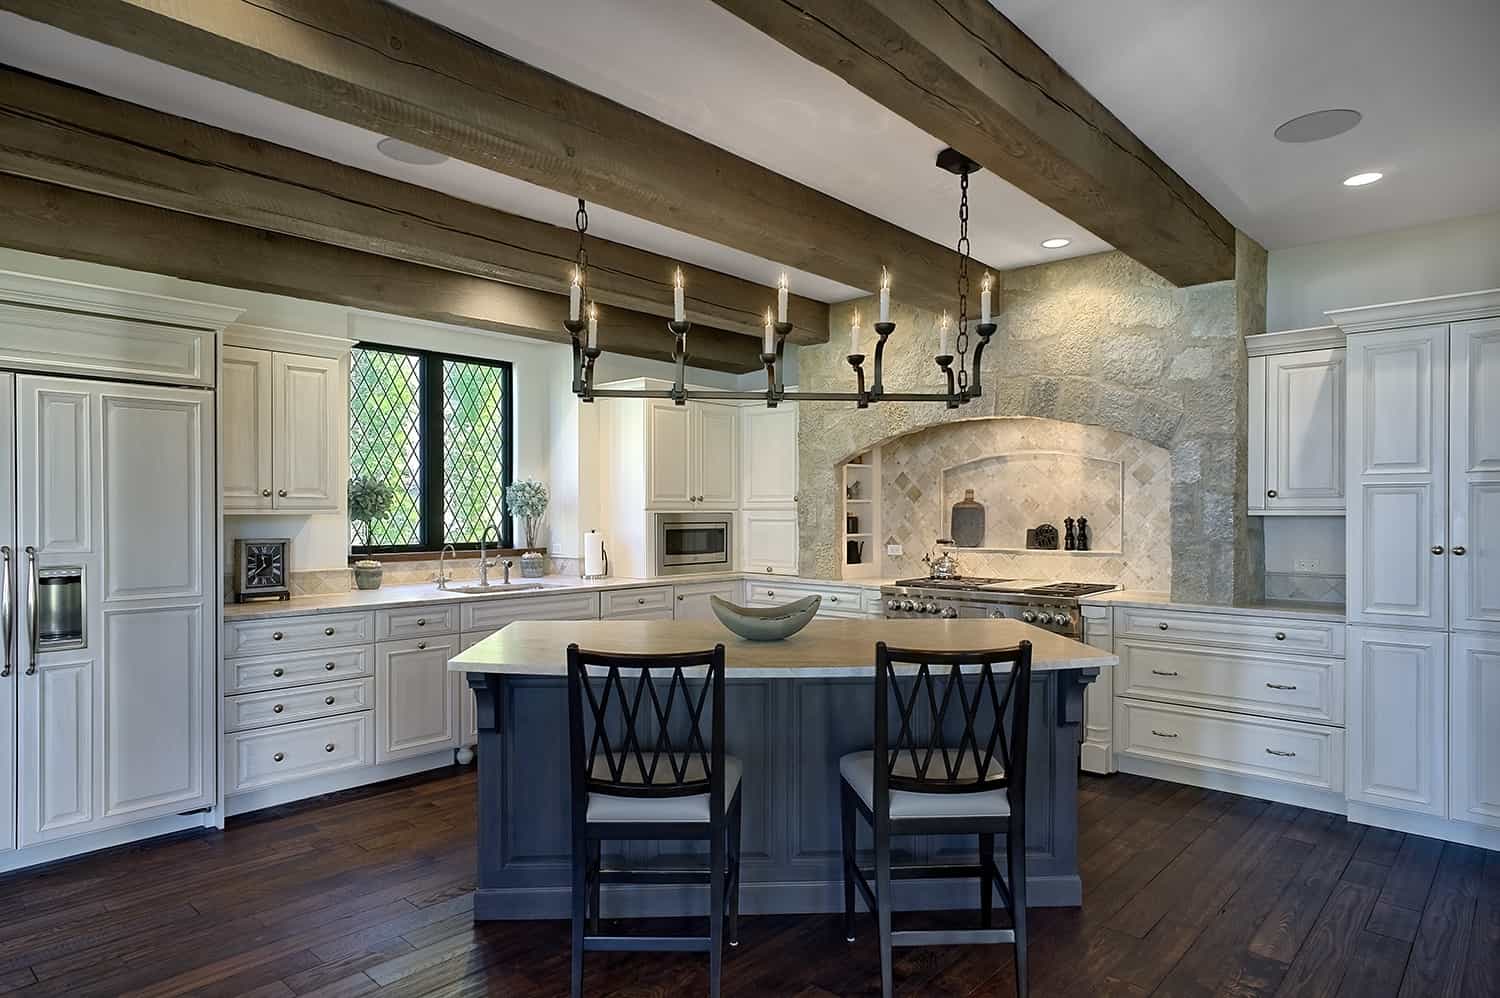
1162, 625
421, 621
276, 636
1284, 755
1158, 672
328, 631
1167, 734
329, 666
277, 709
278, 672
328, 747
1281, 635
1279, 686
421, 646
278, 757
328, 701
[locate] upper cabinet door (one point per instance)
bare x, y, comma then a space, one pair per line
1304, 432
770, 455
670, 485
716, 454
1474, 486
245, 474
1397, 520
306, 398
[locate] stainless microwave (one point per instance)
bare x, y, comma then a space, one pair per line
694, 542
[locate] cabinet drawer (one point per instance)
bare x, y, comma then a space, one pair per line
415, 621
258, 710
274, 672
836, 602
1306, 637
1290, 686
268, 756
1306, 754
282, 634
635, 602
491, 615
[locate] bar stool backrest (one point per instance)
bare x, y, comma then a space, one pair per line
961, 721
647, 726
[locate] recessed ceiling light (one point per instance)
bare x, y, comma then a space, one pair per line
1361, 179
1318, 125
405, 152
1056, 242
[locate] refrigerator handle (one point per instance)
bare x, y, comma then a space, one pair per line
6, 600
31, 609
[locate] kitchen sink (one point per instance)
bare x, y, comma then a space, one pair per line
496, 588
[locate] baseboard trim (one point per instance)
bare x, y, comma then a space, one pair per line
807, 897
316, 786
1463, 832
1094, 757
1248, 786
49, 852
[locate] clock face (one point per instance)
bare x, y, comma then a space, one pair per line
265, 565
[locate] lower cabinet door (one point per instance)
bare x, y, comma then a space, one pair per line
416, 698
1397, 706
692, 601
771, 544
265, 757
1474, 729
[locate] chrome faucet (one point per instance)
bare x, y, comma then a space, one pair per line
485, 563
443, 578
506, 565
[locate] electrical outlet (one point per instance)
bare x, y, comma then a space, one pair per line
894, 550
1307, 565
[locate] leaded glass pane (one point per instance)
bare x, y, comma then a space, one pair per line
474, 404
385, 390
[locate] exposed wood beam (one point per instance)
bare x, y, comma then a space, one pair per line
959, 70
64, 222
62, 134
371, 64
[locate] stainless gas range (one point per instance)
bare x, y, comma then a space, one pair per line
1051, 605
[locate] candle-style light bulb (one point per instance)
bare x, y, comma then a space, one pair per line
885, 295
768, 343
984, 297
854, 334
781, 294
943, 335
679, 313
575, 295
593, 340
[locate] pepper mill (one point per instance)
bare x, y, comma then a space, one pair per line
1069, 541
1083, 533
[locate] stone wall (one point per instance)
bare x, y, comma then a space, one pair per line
1097, 340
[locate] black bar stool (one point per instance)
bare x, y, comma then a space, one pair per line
925, 784
664, 780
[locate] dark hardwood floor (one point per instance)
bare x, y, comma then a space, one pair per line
1189, 892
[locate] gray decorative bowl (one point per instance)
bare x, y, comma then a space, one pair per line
766, 623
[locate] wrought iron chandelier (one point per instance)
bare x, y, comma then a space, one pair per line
962, 385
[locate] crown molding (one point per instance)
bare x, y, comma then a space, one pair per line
1418, 311
287, 341
94, 299
1294, 341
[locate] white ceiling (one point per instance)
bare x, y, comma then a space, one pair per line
1204, 83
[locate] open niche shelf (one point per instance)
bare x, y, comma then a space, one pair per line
859, 516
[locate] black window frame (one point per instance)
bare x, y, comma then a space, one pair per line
430, 450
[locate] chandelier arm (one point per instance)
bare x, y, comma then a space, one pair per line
857, 361
884, 331
976, 387
679, 331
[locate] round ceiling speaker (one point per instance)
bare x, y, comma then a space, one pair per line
405, 152
1319, 125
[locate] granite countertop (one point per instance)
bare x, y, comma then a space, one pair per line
1279, 608
824, 648
387, 597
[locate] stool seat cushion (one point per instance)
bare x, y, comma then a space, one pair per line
858, 770
617, 807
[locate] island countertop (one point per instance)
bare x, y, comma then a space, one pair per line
824, 648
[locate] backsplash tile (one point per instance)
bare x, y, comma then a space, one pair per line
1308, 586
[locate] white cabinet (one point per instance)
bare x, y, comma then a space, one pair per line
653, 603
1474, 483
417, 706
771, 542
1297, 432
1397, 718
1474, 729
715, 446
692, 600
10, 672
670, 463
692, 455
283, 429
1397, 525
769, 446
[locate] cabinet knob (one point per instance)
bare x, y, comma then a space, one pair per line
641, 601
421, 645
1437, 549
1270, 493
281, 493
1162, 625
797, 497
1281, 635
278, 757
1460, 551
329, 666
768, 569
328, 701
328, 631
277, 709
421, 621
328, 747
266, 493
833, 599
276, 636
770, 592
278, 672
681, 598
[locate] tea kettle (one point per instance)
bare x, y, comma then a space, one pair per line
945, 566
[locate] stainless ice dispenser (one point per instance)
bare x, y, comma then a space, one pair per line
58, 602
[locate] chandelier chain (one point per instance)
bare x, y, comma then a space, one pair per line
581, 222
963, 279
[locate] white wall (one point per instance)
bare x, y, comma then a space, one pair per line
1442, 258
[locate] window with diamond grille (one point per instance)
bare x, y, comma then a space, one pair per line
436, 429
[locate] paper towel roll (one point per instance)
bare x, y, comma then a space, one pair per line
595, 558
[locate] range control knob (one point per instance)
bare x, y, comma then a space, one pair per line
907, 605
930, 608
1062, 620
949, 613
893, 604
1028, 616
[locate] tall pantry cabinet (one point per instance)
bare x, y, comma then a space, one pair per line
1423, 541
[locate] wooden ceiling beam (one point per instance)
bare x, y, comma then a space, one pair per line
61, 221
961, 71
66, 135
372, 64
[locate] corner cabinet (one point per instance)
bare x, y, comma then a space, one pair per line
769, 450
282, 429
1297, 422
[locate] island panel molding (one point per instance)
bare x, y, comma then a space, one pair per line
374, 65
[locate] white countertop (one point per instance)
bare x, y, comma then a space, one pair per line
824, 648
1261, 608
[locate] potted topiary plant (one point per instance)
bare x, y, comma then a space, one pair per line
369, 500
528, 500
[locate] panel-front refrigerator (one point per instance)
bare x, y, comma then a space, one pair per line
110, 525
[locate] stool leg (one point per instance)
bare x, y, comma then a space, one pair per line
986, 880
596, 861
883, 904
715, 912
734, 867
846, 817
1015, 851
580, 909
